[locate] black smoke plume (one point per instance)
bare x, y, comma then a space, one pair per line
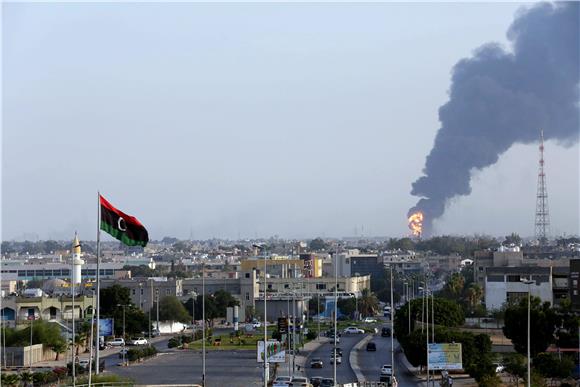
499, 98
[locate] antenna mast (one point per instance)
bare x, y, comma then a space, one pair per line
542, 211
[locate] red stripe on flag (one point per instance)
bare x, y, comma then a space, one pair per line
127, 218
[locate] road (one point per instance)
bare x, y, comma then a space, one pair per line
344, 373
370, 362
223, 368
173, 366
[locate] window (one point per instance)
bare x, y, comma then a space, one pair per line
133, 291
167, 291
513, 278
575, 283
141, 291
575, 292
321, 286
286, 286
247, 296
247, 275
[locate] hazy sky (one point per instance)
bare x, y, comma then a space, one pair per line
248, 120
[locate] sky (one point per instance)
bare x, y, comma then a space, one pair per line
249, 120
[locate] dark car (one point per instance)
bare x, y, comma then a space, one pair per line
338, 351
327, 382
316, 381
316, 363
371, 346
386, 332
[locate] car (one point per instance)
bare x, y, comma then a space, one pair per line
256, 324
316, 381
316, 363
386, 369
499, 368
331, 337
337, 350
327, 382
371, 346
337, 358
299, 381
116, 342
370, 320
155, 333
84, 363
353, 330
389, 380
386, 332
282, 381
138, 341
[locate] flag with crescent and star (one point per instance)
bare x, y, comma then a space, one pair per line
121, 226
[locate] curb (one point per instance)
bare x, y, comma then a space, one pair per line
353, 358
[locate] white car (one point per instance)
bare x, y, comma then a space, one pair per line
354, 330
282, 381
138, 341
116, 342
338, 359
387, 369
370, 320
84, 363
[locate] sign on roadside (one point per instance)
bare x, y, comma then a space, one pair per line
276, 352
282, 325
445, 356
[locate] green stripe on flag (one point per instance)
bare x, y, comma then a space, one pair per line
120, 235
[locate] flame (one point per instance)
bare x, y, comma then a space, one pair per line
416, 223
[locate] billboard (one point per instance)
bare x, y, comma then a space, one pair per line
445, 356
276, 352
106, 327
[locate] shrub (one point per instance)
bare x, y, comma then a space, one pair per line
174, 342
311, 335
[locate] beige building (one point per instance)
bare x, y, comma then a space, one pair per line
20, 310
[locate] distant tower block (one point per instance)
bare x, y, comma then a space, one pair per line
77, 261
542, 211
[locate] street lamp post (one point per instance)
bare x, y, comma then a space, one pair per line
334, 354
124, 337
528, 282
407, 292
261, 248
392, 328
203, 326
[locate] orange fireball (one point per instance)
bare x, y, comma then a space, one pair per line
416, 223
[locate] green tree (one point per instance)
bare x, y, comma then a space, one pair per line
454, 285
224, 300
171, 309
113, 296
368, 304
516, 366
513, 238
315, 304
542, 321
347, 305
550, 366
474, 295
317, 244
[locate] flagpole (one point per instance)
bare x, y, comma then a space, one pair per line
98, 336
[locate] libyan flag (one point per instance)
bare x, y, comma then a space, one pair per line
125, 228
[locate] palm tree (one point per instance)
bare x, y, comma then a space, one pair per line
474, 295
455, 285
368, 303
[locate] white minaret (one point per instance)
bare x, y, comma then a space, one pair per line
77, 261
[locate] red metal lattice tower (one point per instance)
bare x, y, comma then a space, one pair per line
542, 211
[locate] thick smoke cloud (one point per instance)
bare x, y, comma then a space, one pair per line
500, 98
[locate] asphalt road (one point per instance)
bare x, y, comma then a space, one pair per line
223, 368
344, 373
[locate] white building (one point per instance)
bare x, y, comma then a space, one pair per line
504, 285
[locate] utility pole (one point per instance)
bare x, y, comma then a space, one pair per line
157, 304
334, 354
